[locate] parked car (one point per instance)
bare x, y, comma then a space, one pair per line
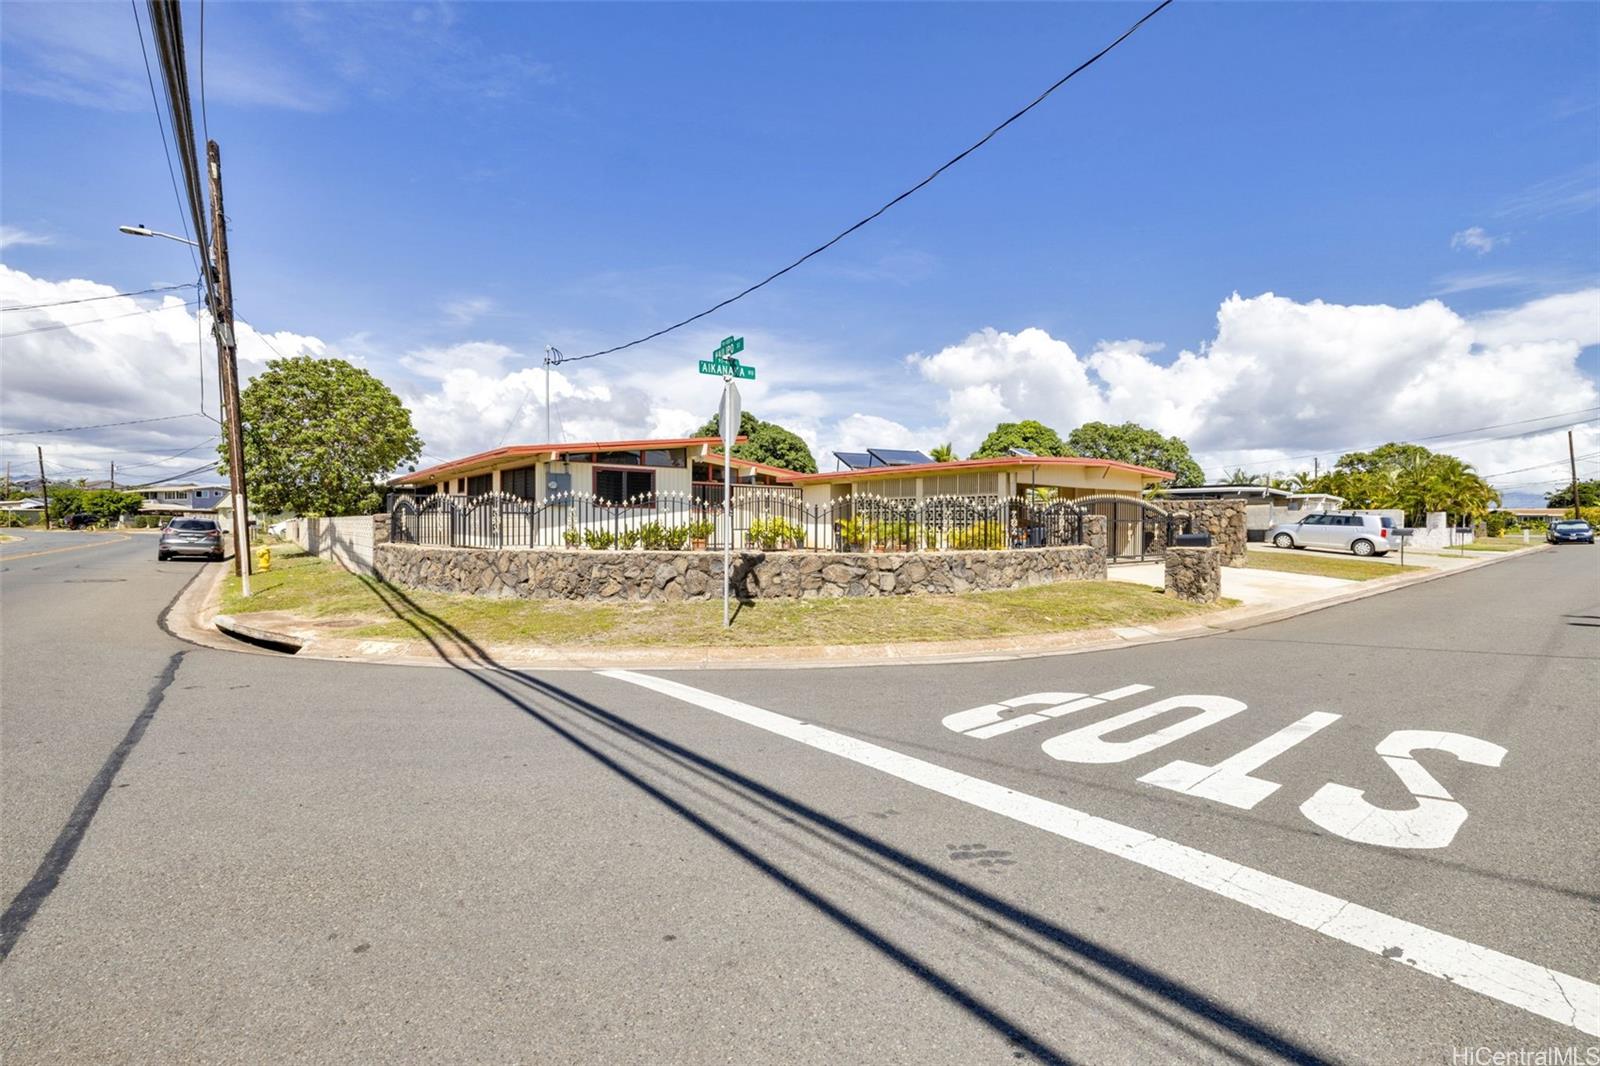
1362, 534
190, 536
80, 521
1571, 531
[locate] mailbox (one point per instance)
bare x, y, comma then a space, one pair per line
1191, 540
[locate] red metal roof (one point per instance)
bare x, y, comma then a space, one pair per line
517, 451
970, 464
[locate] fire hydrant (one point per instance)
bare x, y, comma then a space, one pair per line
263, 559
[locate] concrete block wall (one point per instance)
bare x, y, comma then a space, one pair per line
348, 541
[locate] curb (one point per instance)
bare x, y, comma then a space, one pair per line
199, 622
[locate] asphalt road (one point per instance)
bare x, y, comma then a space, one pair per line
329, 862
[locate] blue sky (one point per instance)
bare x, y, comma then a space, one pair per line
410, 181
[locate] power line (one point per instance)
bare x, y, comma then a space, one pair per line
174, 455
205, 122
92, 299
92, 321
101, 425
174, 477
985, 139
1541, 466
161, 127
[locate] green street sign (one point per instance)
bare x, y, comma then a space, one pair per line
728, 368
729, 346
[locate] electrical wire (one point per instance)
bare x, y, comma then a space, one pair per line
1542, 466
174, 477
92, 299
842, 234
161, 127
174, 455
205, 123
100, 425
92, 321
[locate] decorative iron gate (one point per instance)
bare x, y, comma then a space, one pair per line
1136, 530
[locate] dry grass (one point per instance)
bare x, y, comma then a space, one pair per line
1350, 569
315, 589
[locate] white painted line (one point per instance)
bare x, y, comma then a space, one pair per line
1230, 780
1537, 989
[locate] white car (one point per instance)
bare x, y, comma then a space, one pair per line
1361, 534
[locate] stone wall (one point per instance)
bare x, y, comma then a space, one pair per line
1223, 519
611, 576
1194, 574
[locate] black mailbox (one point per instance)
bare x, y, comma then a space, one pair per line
1191, 540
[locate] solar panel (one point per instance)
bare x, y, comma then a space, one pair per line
897, 457
1023, 452
853, 460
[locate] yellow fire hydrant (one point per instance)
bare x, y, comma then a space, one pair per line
263, 559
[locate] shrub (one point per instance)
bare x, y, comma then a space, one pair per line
774, 532
854, 533
598, 539
571, 538
701, 529
653, 535
985, 536
629, 539
674, 538
894, 535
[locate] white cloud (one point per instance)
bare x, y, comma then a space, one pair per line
468, 310
1280, 379
16, 235
1475, 239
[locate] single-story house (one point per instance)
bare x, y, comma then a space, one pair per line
1060, 477
27, 503
1264, 507
614, 470
1547, 514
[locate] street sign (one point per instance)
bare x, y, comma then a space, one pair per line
729, 346
731, 368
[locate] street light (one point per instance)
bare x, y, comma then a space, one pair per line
145, 231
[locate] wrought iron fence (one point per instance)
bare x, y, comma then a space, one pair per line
764, 521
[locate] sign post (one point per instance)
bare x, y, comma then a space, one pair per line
731, 414
723, 364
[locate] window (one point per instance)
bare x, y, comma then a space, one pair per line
1314, 520
478, 484
520, 482
672, 457
621, 486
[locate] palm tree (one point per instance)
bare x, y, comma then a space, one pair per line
943, 453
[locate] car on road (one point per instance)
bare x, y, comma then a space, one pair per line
80, 521
190, 536
1571, 531
1360, 534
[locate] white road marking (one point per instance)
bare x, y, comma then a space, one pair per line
1432, 823
1539, 990
1087, 744
990, 719
1229, 781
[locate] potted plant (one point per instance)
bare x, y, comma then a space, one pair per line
598, 539
854, 534
571, 538
700, 531
629, 540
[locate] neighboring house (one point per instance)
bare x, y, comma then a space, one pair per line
1061, 477
179, 499
1547, 514
27, 503
613, 470
1264, 507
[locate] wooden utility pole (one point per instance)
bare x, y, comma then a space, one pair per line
113, 476
228, 369
44, 487
1577, 511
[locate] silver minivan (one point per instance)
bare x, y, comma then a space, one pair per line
1361, 534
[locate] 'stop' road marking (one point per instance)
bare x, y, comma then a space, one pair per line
1537, 989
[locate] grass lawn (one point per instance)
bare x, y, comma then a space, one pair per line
315, 589
1499, 544
1349, 568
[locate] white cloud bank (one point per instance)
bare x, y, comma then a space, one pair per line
1280, 380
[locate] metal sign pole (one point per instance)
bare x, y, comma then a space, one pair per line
729, 419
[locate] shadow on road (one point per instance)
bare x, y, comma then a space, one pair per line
1155, 997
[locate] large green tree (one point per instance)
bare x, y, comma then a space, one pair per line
1133, 443
1588, 494
1411, 478
765, 442
320, 436
1036, 437
103, 505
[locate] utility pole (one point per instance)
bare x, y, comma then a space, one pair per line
113, 475
1577, 511
552, 357
1316, 466
228, 369
44, 487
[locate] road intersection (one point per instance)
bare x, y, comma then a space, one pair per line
1368, 834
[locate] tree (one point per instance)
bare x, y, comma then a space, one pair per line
320, 436
1588, 494
943, 453
1133, 443
1241, 477
1412, 479
1036, 437
103, 505
765, 442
